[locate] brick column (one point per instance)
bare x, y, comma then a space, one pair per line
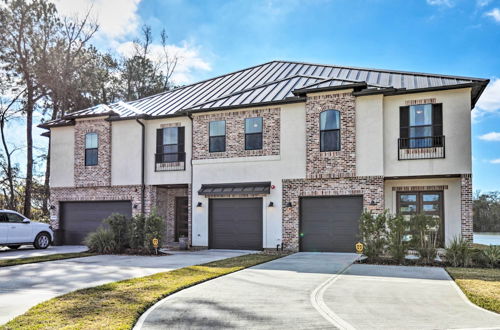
466, 206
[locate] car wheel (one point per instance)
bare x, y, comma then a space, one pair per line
13, 247
42, 241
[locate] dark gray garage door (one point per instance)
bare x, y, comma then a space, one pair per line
329, 224
236, 223
80, 218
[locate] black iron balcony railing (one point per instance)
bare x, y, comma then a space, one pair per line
421, 147
172, 161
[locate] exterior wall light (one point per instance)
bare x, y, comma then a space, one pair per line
271, 204
373, 203
135, 206
199, 204
289, 204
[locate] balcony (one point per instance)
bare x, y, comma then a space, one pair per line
172, 161
421, 148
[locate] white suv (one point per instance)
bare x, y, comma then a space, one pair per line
16, 230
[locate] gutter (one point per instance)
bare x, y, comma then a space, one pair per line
191, 162
143, 186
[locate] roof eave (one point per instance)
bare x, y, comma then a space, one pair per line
251, 105
304, 91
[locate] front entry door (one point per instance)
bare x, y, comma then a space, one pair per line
181, 217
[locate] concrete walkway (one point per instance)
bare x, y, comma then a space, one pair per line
27, 251
302, 292
23, 286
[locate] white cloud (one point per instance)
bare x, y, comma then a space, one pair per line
189, 59
495, 14
495, 161
489, 102
482, 3
116, 18
492, 136
441, 3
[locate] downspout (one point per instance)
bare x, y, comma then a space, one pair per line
143, 186
191, 183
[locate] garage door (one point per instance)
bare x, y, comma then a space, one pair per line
80, 218
235, 223
329, 224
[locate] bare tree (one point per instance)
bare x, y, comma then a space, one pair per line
168, 62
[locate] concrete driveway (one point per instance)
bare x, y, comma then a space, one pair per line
23, 286
305, 291
26, 251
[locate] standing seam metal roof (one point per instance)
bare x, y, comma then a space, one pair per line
272, 82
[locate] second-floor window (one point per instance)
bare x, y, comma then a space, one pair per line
253, 133
217, 136
329, 121
170, 145
421, 126
91, 149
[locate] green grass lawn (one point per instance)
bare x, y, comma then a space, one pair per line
118, 305
480, 285
50, 257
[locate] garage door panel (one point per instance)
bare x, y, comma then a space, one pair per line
78, 219
330, 224
236, 223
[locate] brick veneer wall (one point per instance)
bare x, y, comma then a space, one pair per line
372, 189
235, 133
100, 174
114, 193
331, 164
466, 206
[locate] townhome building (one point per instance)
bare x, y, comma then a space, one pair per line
282, 154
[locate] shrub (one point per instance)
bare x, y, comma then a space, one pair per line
458, 252
136, 232
491, 255
118, 224
372, 230
424, 230
101, 241
396, 244
153, 228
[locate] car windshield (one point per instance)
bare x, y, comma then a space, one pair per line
12, 217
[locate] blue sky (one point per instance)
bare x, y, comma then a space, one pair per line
459, 37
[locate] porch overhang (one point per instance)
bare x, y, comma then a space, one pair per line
240, 188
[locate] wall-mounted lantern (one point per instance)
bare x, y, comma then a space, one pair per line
271, 204
199, 204
289, 204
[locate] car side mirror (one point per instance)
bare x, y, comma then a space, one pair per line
26, 221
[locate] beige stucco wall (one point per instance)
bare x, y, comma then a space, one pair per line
290, 163
370, 135
125, 152
62, 155
456, 129
452, 219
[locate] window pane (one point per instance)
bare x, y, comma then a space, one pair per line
421, 114
253, 141
408, 198
253, 125
90, 157
217, 128
170, 135
170, 148
410, 208
431, 207
430, 197
330, 119
217, 144
14, 217
421, 131
330, 140
91, 140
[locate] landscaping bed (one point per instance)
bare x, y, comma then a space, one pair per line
50, 257
118, 305
480, 285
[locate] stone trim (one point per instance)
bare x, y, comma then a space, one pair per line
235, 133
371, 188
466, 207
421, 101
332, 164
420, 188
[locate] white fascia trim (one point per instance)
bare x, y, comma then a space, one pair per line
236, 160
